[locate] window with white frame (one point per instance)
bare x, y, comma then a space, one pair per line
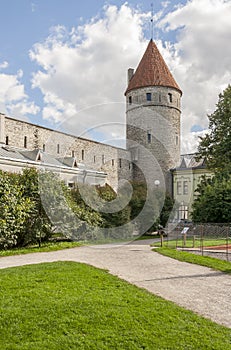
185, 187
183, 212
179, 187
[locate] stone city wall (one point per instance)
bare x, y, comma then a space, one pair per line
94, 155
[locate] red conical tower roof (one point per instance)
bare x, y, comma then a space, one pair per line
152, 71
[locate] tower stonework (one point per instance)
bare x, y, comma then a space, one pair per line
153, 101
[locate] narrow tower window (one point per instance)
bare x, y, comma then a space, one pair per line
130, 100
44, 147
82, 154
149, 136
159, 97
112, 162
177, 140
7, 140
120, 162
148, 96
72, 154
94, 159
58, 148
25, 142
170, 97
103, 159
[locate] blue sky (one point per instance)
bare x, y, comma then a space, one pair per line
56, 58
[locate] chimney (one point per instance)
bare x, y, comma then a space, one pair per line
130, 74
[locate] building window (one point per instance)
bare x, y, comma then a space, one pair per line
7, 140
112, 162
149, 136
170, 97
72, 154
25, 142
148, 96
177, 140
185, 187
94, 159
159, 97
179, 187
103, 159
44, 147
82, 155
58, 148
130, 100
183, 212
120, 162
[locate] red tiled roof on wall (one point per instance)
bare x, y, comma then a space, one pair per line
152, 71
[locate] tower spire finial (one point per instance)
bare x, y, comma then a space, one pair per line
152, 27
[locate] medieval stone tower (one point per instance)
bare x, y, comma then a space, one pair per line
153, 101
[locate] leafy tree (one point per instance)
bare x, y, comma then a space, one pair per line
166, 212
215, 146
15, 210
214, 195
214, 201
159, 206
38, 226
86, 196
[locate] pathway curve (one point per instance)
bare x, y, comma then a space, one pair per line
200, 289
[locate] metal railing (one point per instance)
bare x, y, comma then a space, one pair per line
208, 239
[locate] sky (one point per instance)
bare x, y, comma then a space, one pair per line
63, 63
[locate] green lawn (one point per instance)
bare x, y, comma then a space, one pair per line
216, 264
67, 305
172, 243
45, 247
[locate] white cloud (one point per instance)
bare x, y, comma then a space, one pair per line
13, 99
33, 7
10, 88
86, 67
4, 65
202, 64
190, 142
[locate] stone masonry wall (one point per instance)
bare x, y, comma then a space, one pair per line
155, 126
112, 160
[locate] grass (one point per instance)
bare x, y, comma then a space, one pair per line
67, 305
216, 264
45, 247
171, 243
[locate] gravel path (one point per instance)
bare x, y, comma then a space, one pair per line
203, 290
